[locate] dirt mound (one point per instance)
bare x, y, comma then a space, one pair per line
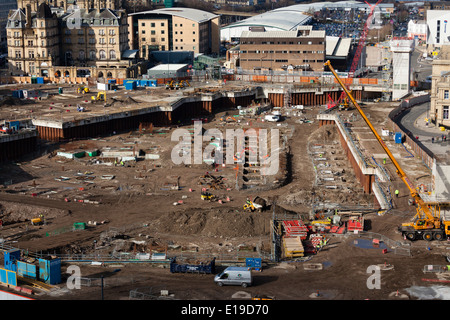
225, 223
15, 212
10, 101
326, 133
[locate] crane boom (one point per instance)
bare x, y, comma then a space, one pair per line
426, 210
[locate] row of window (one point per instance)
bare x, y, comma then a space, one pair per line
92, 40
81, 54
282, 60
111, 32
280, 42
153, 24
283, 51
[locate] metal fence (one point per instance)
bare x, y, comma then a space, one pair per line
151, 293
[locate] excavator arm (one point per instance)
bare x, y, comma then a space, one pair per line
423, 208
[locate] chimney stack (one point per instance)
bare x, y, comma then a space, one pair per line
28, 14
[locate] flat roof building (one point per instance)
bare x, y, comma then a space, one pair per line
175, 29
302, 49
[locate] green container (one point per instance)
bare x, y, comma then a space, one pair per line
92, 153
79, 154
79, 226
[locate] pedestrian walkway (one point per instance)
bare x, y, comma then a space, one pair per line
432, 137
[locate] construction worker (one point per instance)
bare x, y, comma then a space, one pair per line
384, 160
396, 193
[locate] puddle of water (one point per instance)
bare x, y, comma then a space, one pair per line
368, 244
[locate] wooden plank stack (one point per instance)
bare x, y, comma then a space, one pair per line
293, 247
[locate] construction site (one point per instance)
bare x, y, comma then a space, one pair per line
89, 180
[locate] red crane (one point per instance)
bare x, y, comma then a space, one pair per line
361, 43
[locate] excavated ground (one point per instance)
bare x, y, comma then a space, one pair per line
136, 210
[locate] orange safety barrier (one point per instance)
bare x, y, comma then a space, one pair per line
259, 78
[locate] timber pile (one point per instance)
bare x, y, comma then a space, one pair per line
212, 182
293, 247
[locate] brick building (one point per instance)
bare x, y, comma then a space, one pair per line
302, 49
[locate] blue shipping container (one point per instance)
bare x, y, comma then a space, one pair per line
40, 80
130, 84
8, 277
10, 259
50, 271
398, 137
18, 94
26, 270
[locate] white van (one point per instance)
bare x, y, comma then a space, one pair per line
236, 276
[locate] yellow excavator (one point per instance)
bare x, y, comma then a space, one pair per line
427, 223
83, 89
101, 96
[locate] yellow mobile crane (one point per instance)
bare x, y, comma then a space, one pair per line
427, 223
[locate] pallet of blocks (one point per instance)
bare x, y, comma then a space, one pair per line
293, 247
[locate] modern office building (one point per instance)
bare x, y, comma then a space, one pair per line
302, 49
438, 27
175, 29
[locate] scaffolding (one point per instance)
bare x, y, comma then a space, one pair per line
386, 72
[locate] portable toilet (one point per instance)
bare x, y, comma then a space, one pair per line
398, 137
50, 270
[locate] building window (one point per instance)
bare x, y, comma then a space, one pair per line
102, 55
446, 94
152, 25
445, 113
92, 55
112, 54
31, 54
81, 55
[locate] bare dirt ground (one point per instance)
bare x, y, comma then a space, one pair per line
138, 206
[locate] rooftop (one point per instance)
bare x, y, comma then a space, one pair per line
187, 13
